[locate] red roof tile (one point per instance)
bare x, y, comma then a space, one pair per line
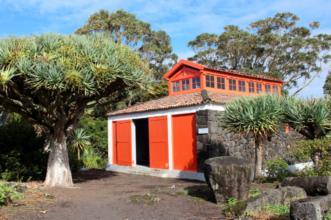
183, 100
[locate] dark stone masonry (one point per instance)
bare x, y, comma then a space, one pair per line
219, 142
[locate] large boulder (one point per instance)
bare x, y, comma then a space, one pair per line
313, 208
282, 195
313, 185
228, 177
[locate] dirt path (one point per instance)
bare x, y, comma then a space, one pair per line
107, 195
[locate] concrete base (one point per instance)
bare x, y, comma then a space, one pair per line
141, 170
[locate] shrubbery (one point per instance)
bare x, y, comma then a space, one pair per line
8, 193
21, 151
277, 169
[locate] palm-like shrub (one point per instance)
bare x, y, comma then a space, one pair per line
259, 117
80, 141
311, 118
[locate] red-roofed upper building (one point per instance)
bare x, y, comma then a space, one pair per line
161, 136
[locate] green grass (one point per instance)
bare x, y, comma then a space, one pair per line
8, 193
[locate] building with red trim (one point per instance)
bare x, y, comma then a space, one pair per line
162, 137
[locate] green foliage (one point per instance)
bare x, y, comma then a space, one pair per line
21, 155
92, 159
124, 28
305, 150
327, 84
234, 207
270, 211
275, 46
311, 118
80, 140
258, 116
327, 216
96, 129
323, 168
8, 193
253, 193
56, 77
277, 169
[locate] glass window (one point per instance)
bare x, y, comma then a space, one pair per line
258, 88
185, 84
196, 83
267, 88
220, 83
242, 86
275, 89
176, 86
210, 81
232, 84
251, 87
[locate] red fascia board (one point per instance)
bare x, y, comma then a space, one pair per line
178, 65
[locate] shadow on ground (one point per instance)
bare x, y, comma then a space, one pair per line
202, 192
93, 174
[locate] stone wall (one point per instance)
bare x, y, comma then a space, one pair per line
219, 142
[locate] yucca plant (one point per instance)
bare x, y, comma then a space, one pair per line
259, 117
311, 118
80, 140
51, 80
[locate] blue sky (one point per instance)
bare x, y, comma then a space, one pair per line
181, 19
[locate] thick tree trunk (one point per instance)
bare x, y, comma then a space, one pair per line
58, 169
258, 157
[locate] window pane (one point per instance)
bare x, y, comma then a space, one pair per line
195, 83
242, 86
275, 89
220, 83
251, 87
267, 88
175, 86
210, 81
185, 84
258, 88
232, 84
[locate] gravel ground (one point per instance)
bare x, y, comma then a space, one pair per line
107, 195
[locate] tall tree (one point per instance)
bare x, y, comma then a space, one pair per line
274, 46
52, 79
327, 84
258, 117
123, 27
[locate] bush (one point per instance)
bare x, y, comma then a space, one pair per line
277, 169
91, 159
21, 151
234, 207
323, 168
8, 193
96, 129
314, 150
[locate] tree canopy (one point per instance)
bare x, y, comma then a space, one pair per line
327, 84
275, 46
52, 79
125, 28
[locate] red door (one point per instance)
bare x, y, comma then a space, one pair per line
158, 142
122, 143
184, 142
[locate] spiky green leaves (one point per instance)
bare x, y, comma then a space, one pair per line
84, 64
260, 116
6, 75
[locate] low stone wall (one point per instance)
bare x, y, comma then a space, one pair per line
219, 142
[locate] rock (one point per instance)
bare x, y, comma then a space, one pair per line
313, 185
228, 177
313, 208
283, 195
